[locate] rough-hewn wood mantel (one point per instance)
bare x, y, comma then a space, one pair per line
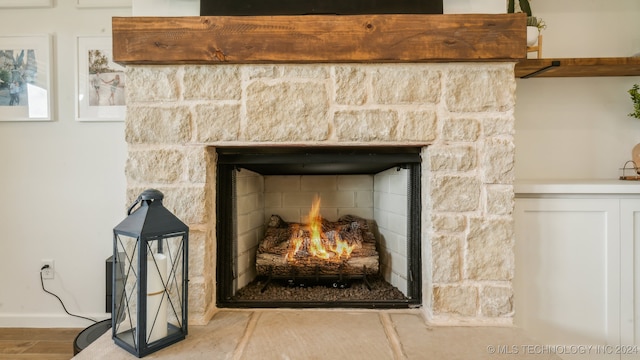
319, 38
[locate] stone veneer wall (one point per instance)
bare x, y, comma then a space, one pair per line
176, 115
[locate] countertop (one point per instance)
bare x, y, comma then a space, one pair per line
613, 186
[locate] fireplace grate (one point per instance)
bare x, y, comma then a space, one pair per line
339, 281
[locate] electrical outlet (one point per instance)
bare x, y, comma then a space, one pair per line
48, 272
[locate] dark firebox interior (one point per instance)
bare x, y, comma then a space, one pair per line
263, 292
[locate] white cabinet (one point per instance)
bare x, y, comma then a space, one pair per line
630, 266
577, 258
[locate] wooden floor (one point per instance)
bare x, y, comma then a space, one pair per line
35, 343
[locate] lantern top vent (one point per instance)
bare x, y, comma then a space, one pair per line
151, 194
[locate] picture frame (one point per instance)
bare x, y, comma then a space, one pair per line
100, 85
103, 3
25, 3
25, 75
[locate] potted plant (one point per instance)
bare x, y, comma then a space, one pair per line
635, 97
635, 152
534, 24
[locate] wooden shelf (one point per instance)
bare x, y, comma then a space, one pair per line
578, 67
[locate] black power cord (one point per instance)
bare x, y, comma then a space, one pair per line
60, 300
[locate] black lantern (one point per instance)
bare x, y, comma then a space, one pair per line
150, 277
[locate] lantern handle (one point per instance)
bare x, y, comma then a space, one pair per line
134, 205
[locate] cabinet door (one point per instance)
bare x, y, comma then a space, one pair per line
567, 281
630, 271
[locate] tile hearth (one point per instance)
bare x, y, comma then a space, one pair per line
333, 334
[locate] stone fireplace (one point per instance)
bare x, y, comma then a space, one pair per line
460, 115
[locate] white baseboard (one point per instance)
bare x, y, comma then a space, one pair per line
49, 320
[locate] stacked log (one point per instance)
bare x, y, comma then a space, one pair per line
274, 252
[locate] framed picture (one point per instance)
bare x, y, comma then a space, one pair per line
102, 3
25, 3
101, 84
25, 78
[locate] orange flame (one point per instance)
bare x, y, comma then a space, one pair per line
317, 243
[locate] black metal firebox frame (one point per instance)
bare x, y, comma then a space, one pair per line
338, 7
313, 161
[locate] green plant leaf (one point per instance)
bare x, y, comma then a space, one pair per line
525, 7
635, 97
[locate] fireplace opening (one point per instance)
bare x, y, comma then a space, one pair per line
318, 227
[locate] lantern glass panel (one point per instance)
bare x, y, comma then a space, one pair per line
168, 256
126, 286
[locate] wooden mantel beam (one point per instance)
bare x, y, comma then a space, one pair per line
319, 38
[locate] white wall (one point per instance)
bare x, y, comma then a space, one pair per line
578, 128
474, 6
63, 186
166, 7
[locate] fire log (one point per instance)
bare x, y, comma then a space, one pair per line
275, 257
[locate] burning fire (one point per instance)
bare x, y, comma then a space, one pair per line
310, 240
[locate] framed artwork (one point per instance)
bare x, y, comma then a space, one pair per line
101, 83
25, 78
25, 3
102, 3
